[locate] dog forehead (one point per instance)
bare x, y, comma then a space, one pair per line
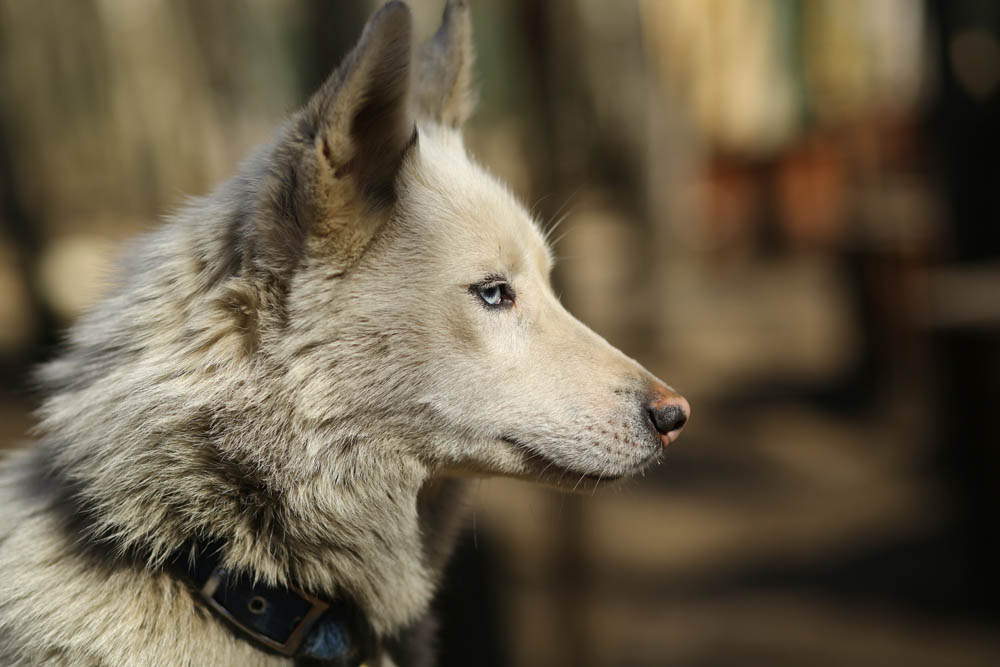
450, 201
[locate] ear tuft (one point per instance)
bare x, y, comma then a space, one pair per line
444, 70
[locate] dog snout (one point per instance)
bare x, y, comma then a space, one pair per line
669, 412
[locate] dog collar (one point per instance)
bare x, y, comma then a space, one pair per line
287, 621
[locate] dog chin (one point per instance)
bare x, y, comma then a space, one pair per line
539, 468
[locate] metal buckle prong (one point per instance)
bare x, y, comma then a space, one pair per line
291, 644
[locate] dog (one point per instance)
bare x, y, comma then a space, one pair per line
253, 450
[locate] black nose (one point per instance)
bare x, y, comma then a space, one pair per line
668, 412
667, 418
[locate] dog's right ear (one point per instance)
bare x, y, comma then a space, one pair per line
359, 127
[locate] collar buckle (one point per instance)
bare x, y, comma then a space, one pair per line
213, 593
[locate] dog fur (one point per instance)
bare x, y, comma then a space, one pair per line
303, 367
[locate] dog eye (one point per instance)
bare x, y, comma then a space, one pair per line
494, 294
491, 295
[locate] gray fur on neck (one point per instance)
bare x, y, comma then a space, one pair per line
175, 415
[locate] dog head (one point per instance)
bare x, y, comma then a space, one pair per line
420, 307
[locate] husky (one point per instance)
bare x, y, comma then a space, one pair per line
252, 451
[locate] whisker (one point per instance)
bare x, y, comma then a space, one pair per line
547, 466
534, 207
567, 201
552, 226
560, 238
597, 483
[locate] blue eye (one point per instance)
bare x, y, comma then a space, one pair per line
494, 293
490, 294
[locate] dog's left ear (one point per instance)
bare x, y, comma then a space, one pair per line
444, 69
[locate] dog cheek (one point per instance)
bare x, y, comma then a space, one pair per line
463, 337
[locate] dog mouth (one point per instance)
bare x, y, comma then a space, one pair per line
553, 471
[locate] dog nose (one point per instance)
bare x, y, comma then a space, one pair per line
669, 412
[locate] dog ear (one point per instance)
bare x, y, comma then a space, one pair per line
358, 128
444, 68
362, 114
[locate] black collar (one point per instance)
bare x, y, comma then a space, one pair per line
286, 621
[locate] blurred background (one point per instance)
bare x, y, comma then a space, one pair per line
789, 210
